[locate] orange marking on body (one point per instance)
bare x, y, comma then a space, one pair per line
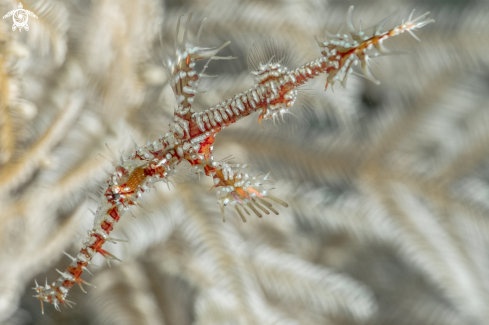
205, 149
137, 176
251, 189
106, 226
59, 295
98, 244
114, 214
260, 118
208, 169
75, 271
84, 252
242, 192
222, 181
68, 284
188, 59
205, 146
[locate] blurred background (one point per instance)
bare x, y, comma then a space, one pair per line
388, 185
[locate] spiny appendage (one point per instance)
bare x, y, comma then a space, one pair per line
236, 187
192, 137
203, 127
269, 63
264, 96
184, 80
270, 99
276, 87
270, 59
270, 96
133, 176
343, 50
57, 292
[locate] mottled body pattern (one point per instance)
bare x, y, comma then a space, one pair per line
192, 135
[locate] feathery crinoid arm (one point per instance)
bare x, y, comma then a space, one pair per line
192, 133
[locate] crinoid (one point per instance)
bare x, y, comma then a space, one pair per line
192, 134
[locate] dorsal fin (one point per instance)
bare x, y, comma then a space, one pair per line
184, 80
270, 60
269, 57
